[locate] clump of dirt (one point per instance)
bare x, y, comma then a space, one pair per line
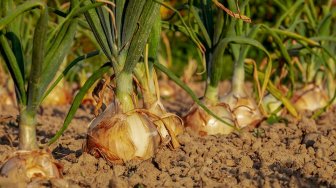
290, 153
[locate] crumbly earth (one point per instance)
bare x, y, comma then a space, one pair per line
290, 153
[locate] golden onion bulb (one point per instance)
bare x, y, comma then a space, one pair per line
60, 95
166, 12
310, 97
204, 124
26, 165
271, 104
7, 91
243, 108
166, 89
5, 98
119, 137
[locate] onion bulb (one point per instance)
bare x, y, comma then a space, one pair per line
119, 137
60, 95
26, 165
310, 97
243, 108
166, 89
5, 98
271, 104
166, 12
204, 124
7, 91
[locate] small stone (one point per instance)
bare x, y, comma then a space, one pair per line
184, 139
267, 183
256, 145
230, 162
310, 139
117, 182
319, 153
325, 141
208, 161
60, 183
333, 156
246, 161
118, 170
329, 170
276, 184
309, 168
311, 151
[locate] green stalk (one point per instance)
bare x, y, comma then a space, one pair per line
14, 69
239, 69
293, 35
147, 68
146, 81
147, 19
331, 85
239, 72
214, 62
19, 10
153, 44
34, 82
120, 4
238, 77
27, 124
231, 31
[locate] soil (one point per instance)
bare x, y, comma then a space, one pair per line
290, 153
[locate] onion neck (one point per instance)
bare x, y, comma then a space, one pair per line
211, 94
147, 82
238, 78
124, 91
149, 96
27, 129
319, 79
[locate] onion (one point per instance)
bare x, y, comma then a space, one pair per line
7, 90
166, 89
204, 124
311, 97
166, 12
119, 137
243, 108
5, 98
271, 104
27, 165
60, 95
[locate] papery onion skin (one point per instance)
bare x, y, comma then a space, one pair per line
165, 121
203, 124
169, 128
26, 165
244, 109
122, 137
310, 97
